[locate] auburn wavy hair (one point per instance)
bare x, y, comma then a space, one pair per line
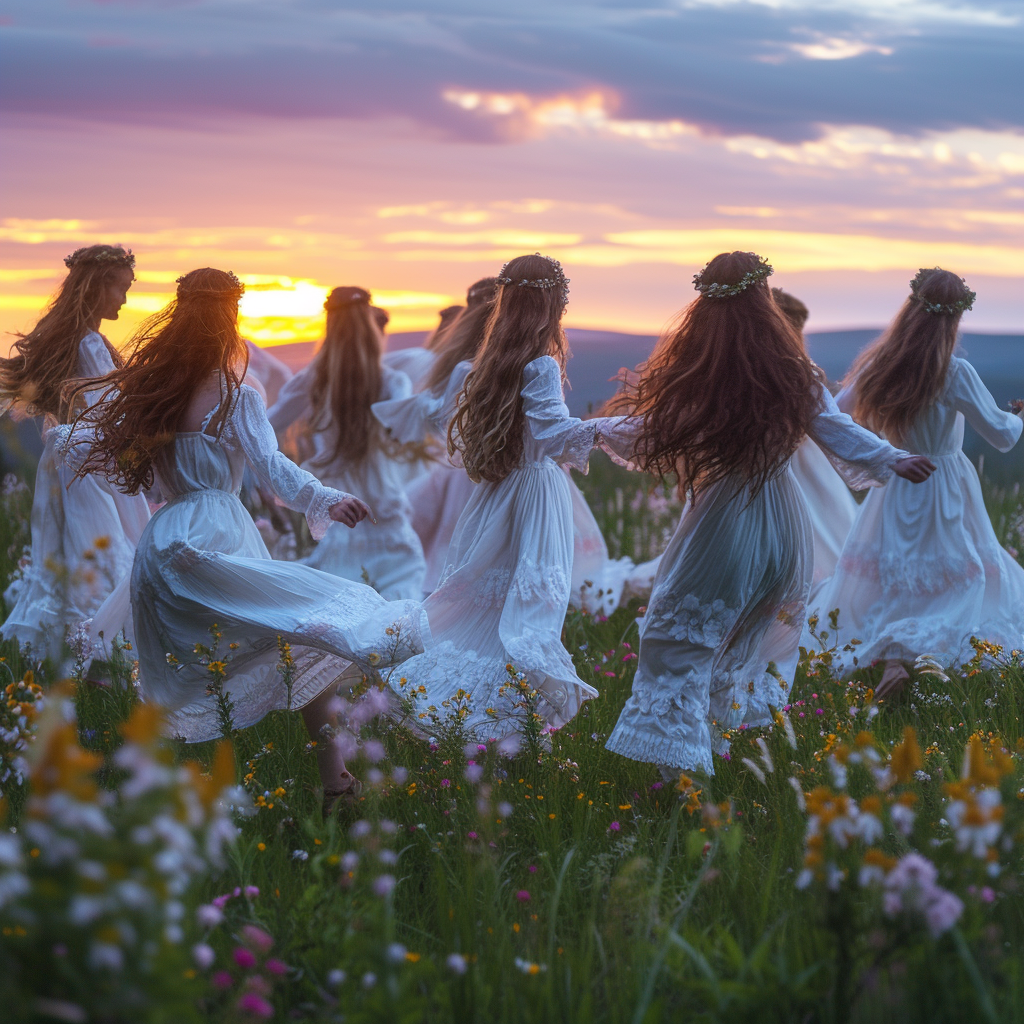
462, 340
729, 391
347, 373
524, 324
903, 371
41, 363
173, 353
446, 320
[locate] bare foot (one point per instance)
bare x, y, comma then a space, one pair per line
346, 793
894, 678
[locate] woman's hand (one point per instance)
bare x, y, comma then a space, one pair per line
916, 468
350, 511
1017, 405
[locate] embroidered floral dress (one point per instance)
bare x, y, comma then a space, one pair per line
922, 571
506, 584
84, 534
388, 553
201, 567
719, 641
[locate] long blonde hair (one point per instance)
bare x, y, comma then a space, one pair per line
525, 324
903, 371
347, 373
44, 360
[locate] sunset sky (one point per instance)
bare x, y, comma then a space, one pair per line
411, 147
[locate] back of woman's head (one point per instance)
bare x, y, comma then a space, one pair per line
729, 390
46, 358
347, 373
525, 323
446, 319
173, 353
462, 340
900, 374
792, 308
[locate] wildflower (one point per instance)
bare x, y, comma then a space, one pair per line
203, 955
906, 756
209, 916
456, 963
614, 827
523, 896
244, 958
369, 980
445, 783
222, 980
528, 967
755, 770
396, 952
383, 885
474, 773
336, 978
257, 938
256, 1005
300, 855
374, 750
275, 966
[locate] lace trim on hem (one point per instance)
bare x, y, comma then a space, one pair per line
687, 755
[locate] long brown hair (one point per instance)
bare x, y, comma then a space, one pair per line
462, 341
173, 353
45, 359
347, 373
524, 324
729, 390
902, 372
434, 342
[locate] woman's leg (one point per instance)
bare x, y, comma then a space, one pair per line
321, 711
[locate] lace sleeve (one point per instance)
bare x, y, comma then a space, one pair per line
292, 402
249, 428
555, 433
617, 436
999, 428
861, 458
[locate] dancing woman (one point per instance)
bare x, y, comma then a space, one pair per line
723, 403
504, 591
179, 411
922, 571
84, 532
333, 396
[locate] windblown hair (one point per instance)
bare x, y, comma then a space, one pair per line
447, 317
173, 353
903, 371
792, 308
347, 373
462, 341
524, 324
729, 390
44, 360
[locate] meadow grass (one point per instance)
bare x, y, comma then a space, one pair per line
561, 882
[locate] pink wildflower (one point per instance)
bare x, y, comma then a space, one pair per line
256, 1005
222, 980
523, 896
244, 958
275, 966
257, 938
614, 827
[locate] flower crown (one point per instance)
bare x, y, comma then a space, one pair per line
940, 308
716, 290
108, 254
342, 297
558, 281
236, 287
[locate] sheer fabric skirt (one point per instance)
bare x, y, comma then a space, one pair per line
922, 572
720, 639
499, 609
202, 575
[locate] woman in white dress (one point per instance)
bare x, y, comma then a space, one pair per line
922, 571
724, 402
333, 396
84, 532
504, 591
179, 411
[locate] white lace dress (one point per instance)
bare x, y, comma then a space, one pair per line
922, 571
387, 554
84, 534
201, 567
505, 588
440, 497
719, 641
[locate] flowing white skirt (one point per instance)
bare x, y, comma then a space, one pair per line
202, 575
719, 641
500, 607
438, 499
922, 572
84, 534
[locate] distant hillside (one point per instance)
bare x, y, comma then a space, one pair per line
599, 355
